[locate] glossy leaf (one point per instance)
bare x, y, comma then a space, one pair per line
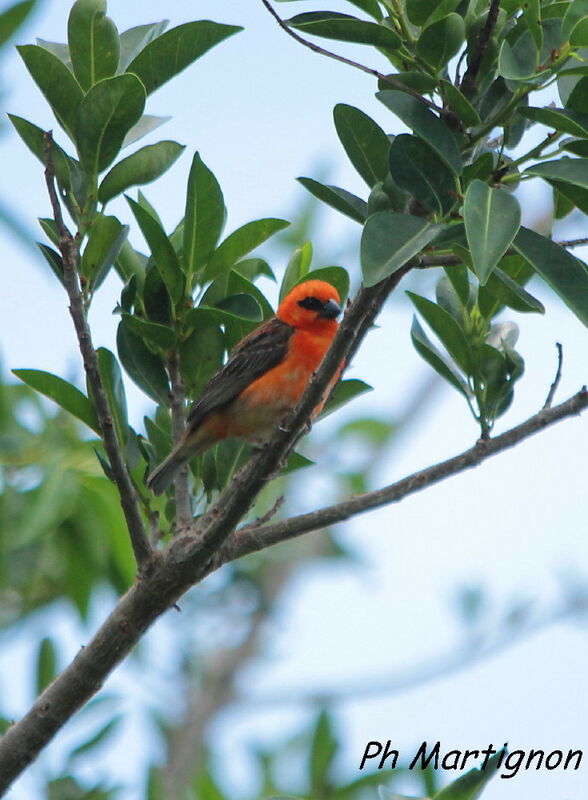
441, 40
578, 97
143, 366
345, 28
62, 393
296, 269
447, 330
566, 170
34, 138
241, 242
492, 218
159, 335
418, 171
426, 125
200, 357
532, 16
508, 292
106, 238
204, 218
518, 61
163, 253
339, 199
13, 17
146, 124
54, 260
344, 392
114, 389
241, 305
460, 104
58, 85
573, 122
93, 41
141, 167
364, 141
567, 276
133, 40
176, 49
389, 241
427, 350
106, 114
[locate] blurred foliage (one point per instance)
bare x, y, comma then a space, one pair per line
441, 195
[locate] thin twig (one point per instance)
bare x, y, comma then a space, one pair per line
557, 379
253, 539
389, 79
68, 247
181, 483
574, 242
468, 83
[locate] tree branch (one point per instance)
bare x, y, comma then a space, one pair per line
69, 249
468, 83
181, 483
186, 560
389, 79
251, 540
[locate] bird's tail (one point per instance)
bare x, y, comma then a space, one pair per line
163, 475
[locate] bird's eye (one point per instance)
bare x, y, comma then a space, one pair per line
311, 303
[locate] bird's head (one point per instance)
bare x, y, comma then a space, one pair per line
311, 305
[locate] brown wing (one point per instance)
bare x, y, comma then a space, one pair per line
258, 352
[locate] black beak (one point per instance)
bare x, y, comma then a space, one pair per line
330, 310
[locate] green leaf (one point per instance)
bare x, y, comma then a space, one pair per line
441, 40
106, 238
159, 335
573, 122
426, 125
298, 266
344, 392
205, 216
114, 389
460, 104
34, 138
492, 218
173, 51
239, 243
577, 98
447, 330
339, 199
567, 276
471, 785
133, 40
146, 124
508, 292
566, 170
577, 196
418, 171
163, 253
345, 28
141, 167
58, 85
201, 356
13, 17
576, 12
433, 357
389, 241
62, 393
364, 141
323, 749
46, 662
54, 260
241, 305
518, 62
143, 367
93, 42
58, 49
419, 11
532, 15
106, 114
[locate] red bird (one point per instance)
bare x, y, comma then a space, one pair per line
264, 377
